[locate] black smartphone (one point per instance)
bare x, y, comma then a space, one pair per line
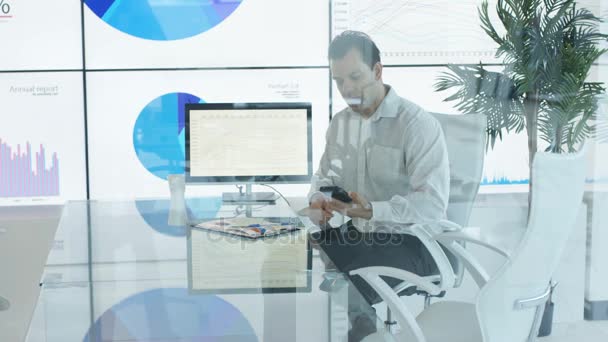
337, 193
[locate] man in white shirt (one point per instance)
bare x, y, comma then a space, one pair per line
390, 155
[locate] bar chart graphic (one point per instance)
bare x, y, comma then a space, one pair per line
23, 174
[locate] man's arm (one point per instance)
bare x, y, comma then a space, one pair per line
326, 174
428, 170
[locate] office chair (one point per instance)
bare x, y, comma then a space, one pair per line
465, 137
510, 304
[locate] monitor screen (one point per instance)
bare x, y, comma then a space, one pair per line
248, 142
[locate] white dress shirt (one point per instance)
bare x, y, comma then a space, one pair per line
396, 158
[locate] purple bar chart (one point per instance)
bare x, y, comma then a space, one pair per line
24, 176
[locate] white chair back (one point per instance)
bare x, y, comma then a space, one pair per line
557, 188
465, 137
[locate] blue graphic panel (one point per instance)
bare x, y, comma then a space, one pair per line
163, 20
171, 314
503, 181
159, 135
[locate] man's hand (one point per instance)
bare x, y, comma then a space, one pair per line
360, 206
319, 212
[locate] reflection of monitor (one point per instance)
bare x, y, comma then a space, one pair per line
219, 263
248, 143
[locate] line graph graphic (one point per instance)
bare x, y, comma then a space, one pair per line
418, 31
19, 177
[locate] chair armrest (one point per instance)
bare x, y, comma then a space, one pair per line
409, 277
536, 303
439, 226
448, 225
446, 238
451, 241
404, 284
533, 302
448, 278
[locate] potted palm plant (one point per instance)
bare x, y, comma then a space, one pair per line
547, 49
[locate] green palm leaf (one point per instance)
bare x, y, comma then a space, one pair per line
547, 49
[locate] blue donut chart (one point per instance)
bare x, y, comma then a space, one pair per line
167, 314
156, 213
163, 20
159, 135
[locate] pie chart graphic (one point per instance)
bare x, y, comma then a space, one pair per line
156, 213
171, 314
159, 135
163, 19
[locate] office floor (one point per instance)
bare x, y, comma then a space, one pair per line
587, 331
579, 331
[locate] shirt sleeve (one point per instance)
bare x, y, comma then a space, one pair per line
427, 167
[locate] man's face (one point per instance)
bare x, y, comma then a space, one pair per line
355, 80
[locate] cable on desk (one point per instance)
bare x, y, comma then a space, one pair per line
278, 192
240, 211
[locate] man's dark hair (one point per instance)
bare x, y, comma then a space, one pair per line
348, 40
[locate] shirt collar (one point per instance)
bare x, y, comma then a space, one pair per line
389, 107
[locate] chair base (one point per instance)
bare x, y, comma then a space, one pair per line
450, 321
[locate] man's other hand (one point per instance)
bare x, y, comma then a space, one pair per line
360, 206
319, 212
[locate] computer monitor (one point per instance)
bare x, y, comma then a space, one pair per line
248, 143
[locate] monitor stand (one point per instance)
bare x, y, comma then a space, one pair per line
248, 196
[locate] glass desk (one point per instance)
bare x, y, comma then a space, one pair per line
118, 272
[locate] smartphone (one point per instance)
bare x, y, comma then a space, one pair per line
336, 192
